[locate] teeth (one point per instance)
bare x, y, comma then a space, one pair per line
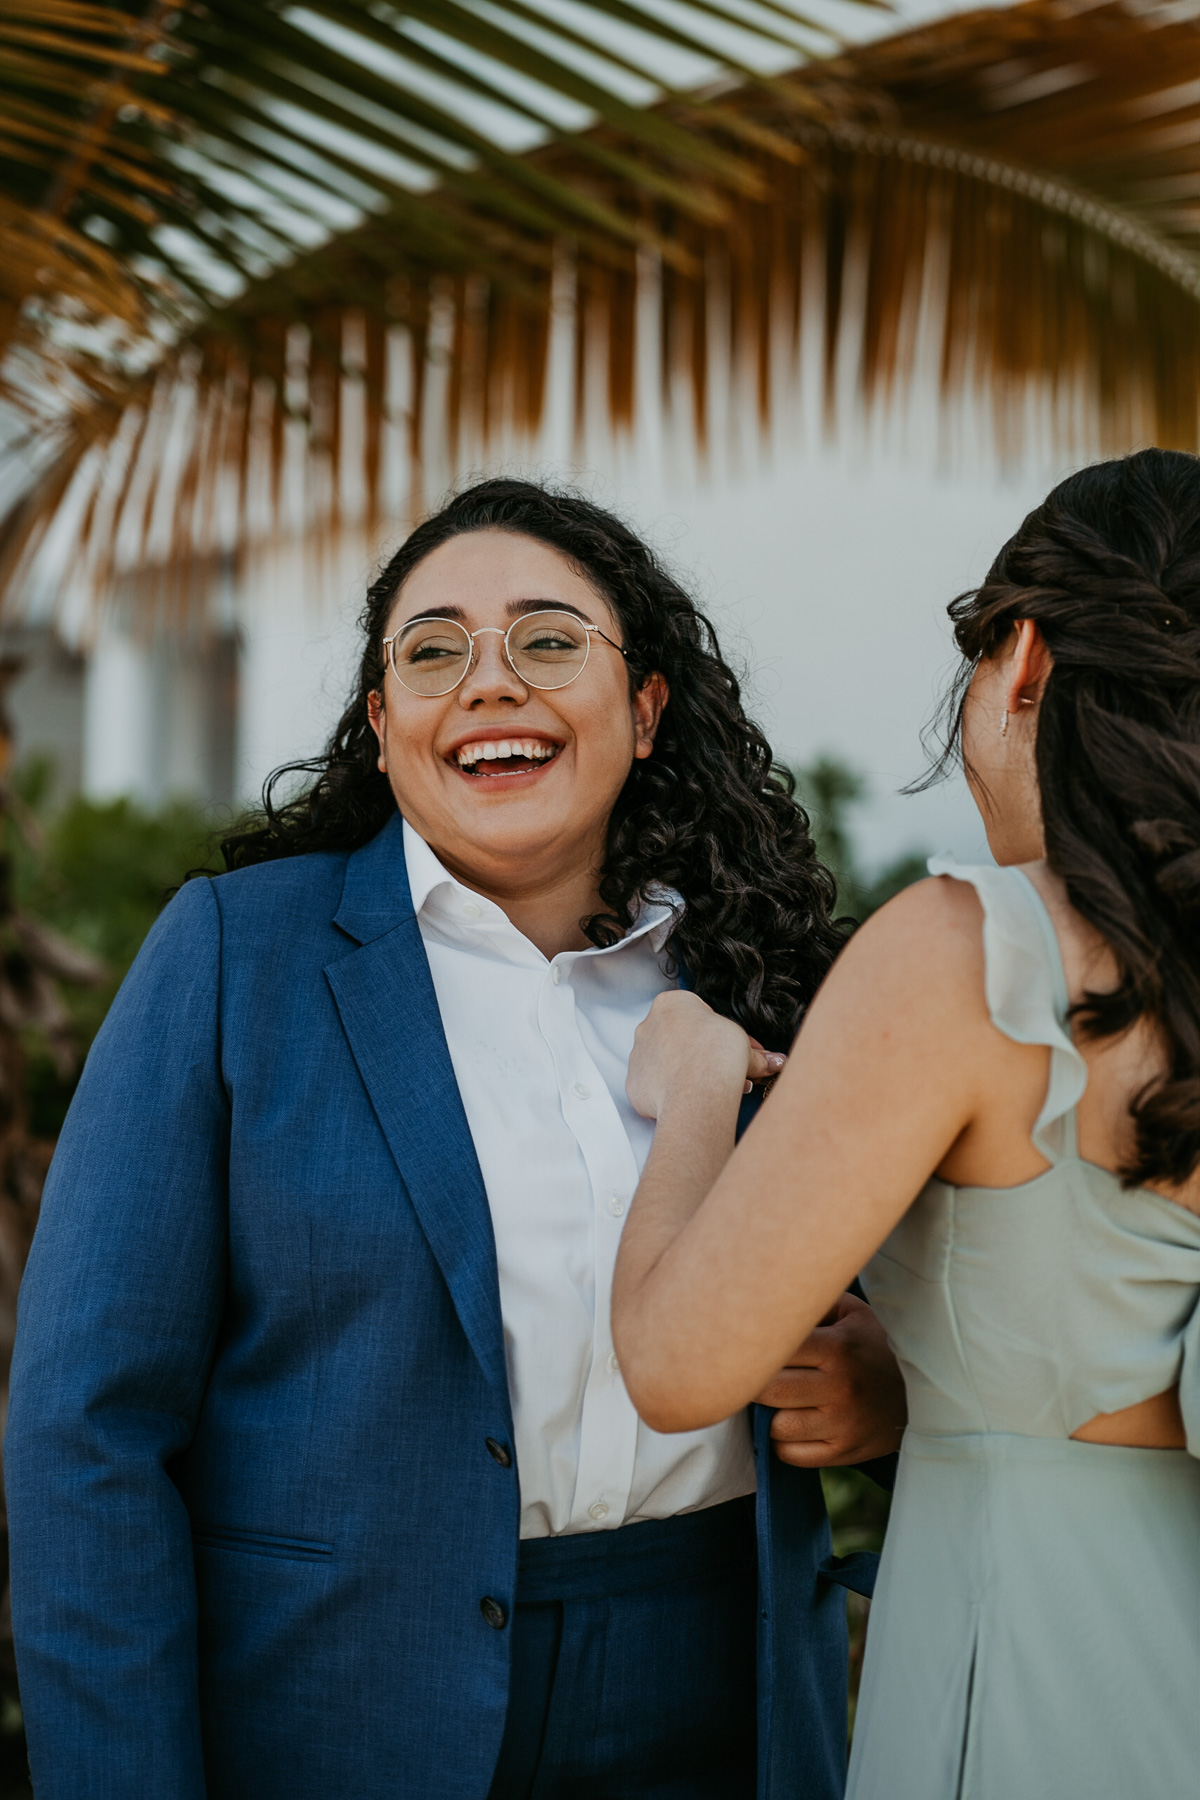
491, 751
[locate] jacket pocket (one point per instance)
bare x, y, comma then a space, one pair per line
259, 1543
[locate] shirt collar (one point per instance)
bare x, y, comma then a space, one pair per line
425, 872
656, 917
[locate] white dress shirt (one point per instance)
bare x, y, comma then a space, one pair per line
540, 1051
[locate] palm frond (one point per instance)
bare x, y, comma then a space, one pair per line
116, 124
158, 165
1009, 199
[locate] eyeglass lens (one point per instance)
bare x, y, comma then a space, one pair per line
546, 650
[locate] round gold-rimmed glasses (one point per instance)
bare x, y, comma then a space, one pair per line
545, 649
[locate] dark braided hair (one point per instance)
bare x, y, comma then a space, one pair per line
708, 812
1109, 568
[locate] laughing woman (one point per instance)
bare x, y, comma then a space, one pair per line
323, 1480
994, 1105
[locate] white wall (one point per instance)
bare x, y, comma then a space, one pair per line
118, 718
297, 612
155, 712
827, 576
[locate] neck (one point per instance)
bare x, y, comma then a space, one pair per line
546, 910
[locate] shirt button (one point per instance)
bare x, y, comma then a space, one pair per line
493, 1613
498, 1452
585, 1093
598, 1510
616, 1205
470, 909
613, 1364
556, 974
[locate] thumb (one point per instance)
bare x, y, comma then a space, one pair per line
843, 1308
762, 1064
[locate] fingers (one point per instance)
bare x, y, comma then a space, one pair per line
762, 1065
819, 1454
812, 1356
828, 1437
813, 1438
841, 1398
677, 1000
800, 1425
681, 1041
795, 1389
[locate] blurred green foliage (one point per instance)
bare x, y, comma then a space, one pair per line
829, 790
100, 872
858, 1513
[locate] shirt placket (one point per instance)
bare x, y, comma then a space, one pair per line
608, 1425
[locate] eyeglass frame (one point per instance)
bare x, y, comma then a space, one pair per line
389, 647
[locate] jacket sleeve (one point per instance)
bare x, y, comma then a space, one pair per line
117, 1320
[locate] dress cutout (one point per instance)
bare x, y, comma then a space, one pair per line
1035, 1632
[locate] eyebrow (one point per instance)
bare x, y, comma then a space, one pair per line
515, 609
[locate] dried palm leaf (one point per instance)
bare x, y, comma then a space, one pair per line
1008, 198
158, 163
206, 142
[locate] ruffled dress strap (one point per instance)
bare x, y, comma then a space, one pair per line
1027, 989
1189, 1381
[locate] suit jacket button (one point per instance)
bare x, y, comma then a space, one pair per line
493, 1613
499, 1452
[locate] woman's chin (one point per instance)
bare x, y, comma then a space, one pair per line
514, 830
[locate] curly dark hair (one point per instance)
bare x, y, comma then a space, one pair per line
709, 813
1109, 568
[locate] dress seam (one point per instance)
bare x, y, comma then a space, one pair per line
952, 1311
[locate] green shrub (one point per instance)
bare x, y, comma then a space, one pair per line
828, 790
100, 872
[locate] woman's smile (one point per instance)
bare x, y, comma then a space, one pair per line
500, 754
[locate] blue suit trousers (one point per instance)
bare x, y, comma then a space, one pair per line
633, 1663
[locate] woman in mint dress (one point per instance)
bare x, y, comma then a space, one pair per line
993, 1111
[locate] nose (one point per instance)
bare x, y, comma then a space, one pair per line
491, 678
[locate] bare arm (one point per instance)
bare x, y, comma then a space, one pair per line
729, 1261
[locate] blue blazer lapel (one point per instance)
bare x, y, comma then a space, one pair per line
389, 1012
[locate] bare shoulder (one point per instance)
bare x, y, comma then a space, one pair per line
938, 910
924, 947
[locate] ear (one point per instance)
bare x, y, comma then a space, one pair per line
648, 703
378, 718
1029, 669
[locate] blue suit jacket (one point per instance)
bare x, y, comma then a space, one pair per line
259, 1355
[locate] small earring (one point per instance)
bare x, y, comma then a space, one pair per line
1004, 723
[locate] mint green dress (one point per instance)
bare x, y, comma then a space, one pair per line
1035, 1633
